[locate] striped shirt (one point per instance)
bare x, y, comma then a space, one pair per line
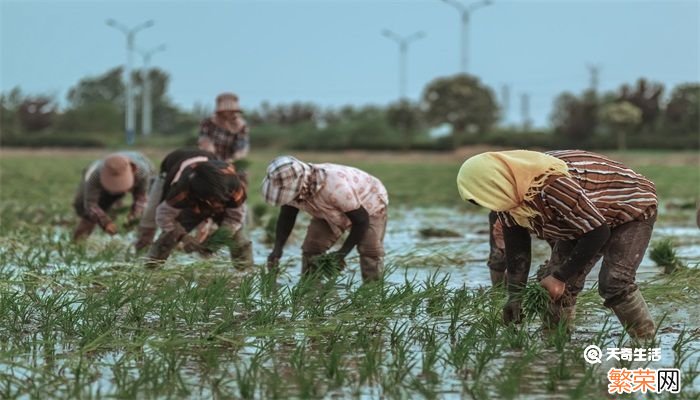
228, 146
92, 188
599, 191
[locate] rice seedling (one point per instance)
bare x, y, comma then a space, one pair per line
220, 238
535, 300
663, 253
438, 233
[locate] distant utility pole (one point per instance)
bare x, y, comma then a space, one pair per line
465, 12
130, 34
505, 101
594, 70
525, 111
403, 42
146, 106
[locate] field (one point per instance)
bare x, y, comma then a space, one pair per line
89, 321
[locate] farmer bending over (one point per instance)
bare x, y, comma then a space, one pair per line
192, 187
591, 206
105, 182
338, 198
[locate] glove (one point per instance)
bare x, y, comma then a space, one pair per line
273, 260
512, 312
190, 245
340, 258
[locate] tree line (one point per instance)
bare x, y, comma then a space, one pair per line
636, 115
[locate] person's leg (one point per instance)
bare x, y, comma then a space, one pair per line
616, 283
85, 226
497, 252
147, 224
166, 242
319, 238
371, 249
564, 309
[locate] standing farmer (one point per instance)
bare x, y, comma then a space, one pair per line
338, 198
106, 181
225, 133
194, 186
591, 206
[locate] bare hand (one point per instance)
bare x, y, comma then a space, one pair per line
554, 286
111, 228
512, 312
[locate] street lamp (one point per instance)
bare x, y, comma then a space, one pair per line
403, 42
465, 12
146, 107
129, 33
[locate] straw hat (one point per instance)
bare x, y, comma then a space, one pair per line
116, 175
227, 102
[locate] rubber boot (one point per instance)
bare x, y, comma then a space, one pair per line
242, 250
83, 230
634, 315
372, 268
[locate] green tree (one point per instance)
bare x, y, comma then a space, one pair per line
461, 101
682, 114
575, 118
622, 117
105, 88
407, 118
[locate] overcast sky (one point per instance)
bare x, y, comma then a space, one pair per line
332, 53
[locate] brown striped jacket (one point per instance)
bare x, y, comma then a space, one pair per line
599, 191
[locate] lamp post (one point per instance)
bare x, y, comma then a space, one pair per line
146, 106
130, 33
403, 42
465, 13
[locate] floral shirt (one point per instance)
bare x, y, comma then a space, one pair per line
343, 189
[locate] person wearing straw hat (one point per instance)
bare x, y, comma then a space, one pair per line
338, 198
589, 205
106, 181
225, 133
193, 187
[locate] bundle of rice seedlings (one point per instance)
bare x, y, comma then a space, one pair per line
327, 265
221, 238
664, 255
535, 300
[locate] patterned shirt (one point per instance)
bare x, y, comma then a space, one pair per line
599, 191
93, 188
343, 189
175, 170
228, 146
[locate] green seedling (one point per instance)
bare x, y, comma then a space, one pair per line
439, 233
535, 300
221, 238
663, 253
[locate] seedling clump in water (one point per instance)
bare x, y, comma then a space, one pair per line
327, 265
222, 237
664, 255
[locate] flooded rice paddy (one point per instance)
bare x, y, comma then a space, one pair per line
89, 321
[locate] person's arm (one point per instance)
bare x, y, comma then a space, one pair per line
91, 199
518, 258
285, 223
233, 218
139, 197
360, 223
587, 247
242, 143
204, 142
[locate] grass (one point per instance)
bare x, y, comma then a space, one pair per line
88, 321
663, 253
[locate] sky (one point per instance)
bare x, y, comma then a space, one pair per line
332, 53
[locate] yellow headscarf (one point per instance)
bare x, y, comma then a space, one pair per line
503, 180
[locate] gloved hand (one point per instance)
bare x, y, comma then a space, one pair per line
190, 245
512, 312
273, 260
340, 258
